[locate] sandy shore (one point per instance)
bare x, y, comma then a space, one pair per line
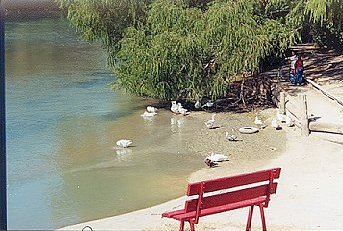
309, 196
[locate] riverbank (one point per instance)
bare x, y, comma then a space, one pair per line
308, 197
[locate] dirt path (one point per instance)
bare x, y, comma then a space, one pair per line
329, 75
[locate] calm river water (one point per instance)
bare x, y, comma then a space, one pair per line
62, 124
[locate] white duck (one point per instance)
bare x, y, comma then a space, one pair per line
275, 124
210, 123
197, 104
215, 157
124, 143
174, 107
258, 121
289, 122
208, 104
151, 109
148, 114
230, 137
210, 163
181, 110
279, 115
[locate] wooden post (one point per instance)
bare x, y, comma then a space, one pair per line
282, 105
305, 131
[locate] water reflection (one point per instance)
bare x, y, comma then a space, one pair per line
176, 124
148, 119
124, 154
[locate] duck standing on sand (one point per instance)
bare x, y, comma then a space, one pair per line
230, 137
258, 122
124, 143
280, 116
213, 158
289, 122
210, 123
216, 157
210, 163
275, 124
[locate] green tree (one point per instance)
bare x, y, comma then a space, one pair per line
183, 52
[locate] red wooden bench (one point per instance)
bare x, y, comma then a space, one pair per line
228, 193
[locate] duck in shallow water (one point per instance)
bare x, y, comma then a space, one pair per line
124, 143
151, 109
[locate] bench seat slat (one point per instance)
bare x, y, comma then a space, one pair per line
219, 209
171, 214
233, 181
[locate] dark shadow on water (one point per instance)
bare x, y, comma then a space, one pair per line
113, 116
90, 83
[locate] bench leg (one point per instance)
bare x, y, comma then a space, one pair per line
263, 218
249, 218
182, 225
191, 224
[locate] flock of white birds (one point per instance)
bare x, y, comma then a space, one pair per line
213, 158
177, 108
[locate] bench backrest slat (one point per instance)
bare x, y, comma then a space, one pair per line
233, 181
231, 197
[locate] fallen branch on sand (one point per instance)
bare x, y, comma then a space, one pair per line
317, 86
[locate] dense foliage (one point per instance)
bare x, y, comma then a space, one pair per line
173, 49
182, 52
317, 21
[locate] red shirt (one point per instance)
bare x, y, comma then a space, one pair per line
298, 64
